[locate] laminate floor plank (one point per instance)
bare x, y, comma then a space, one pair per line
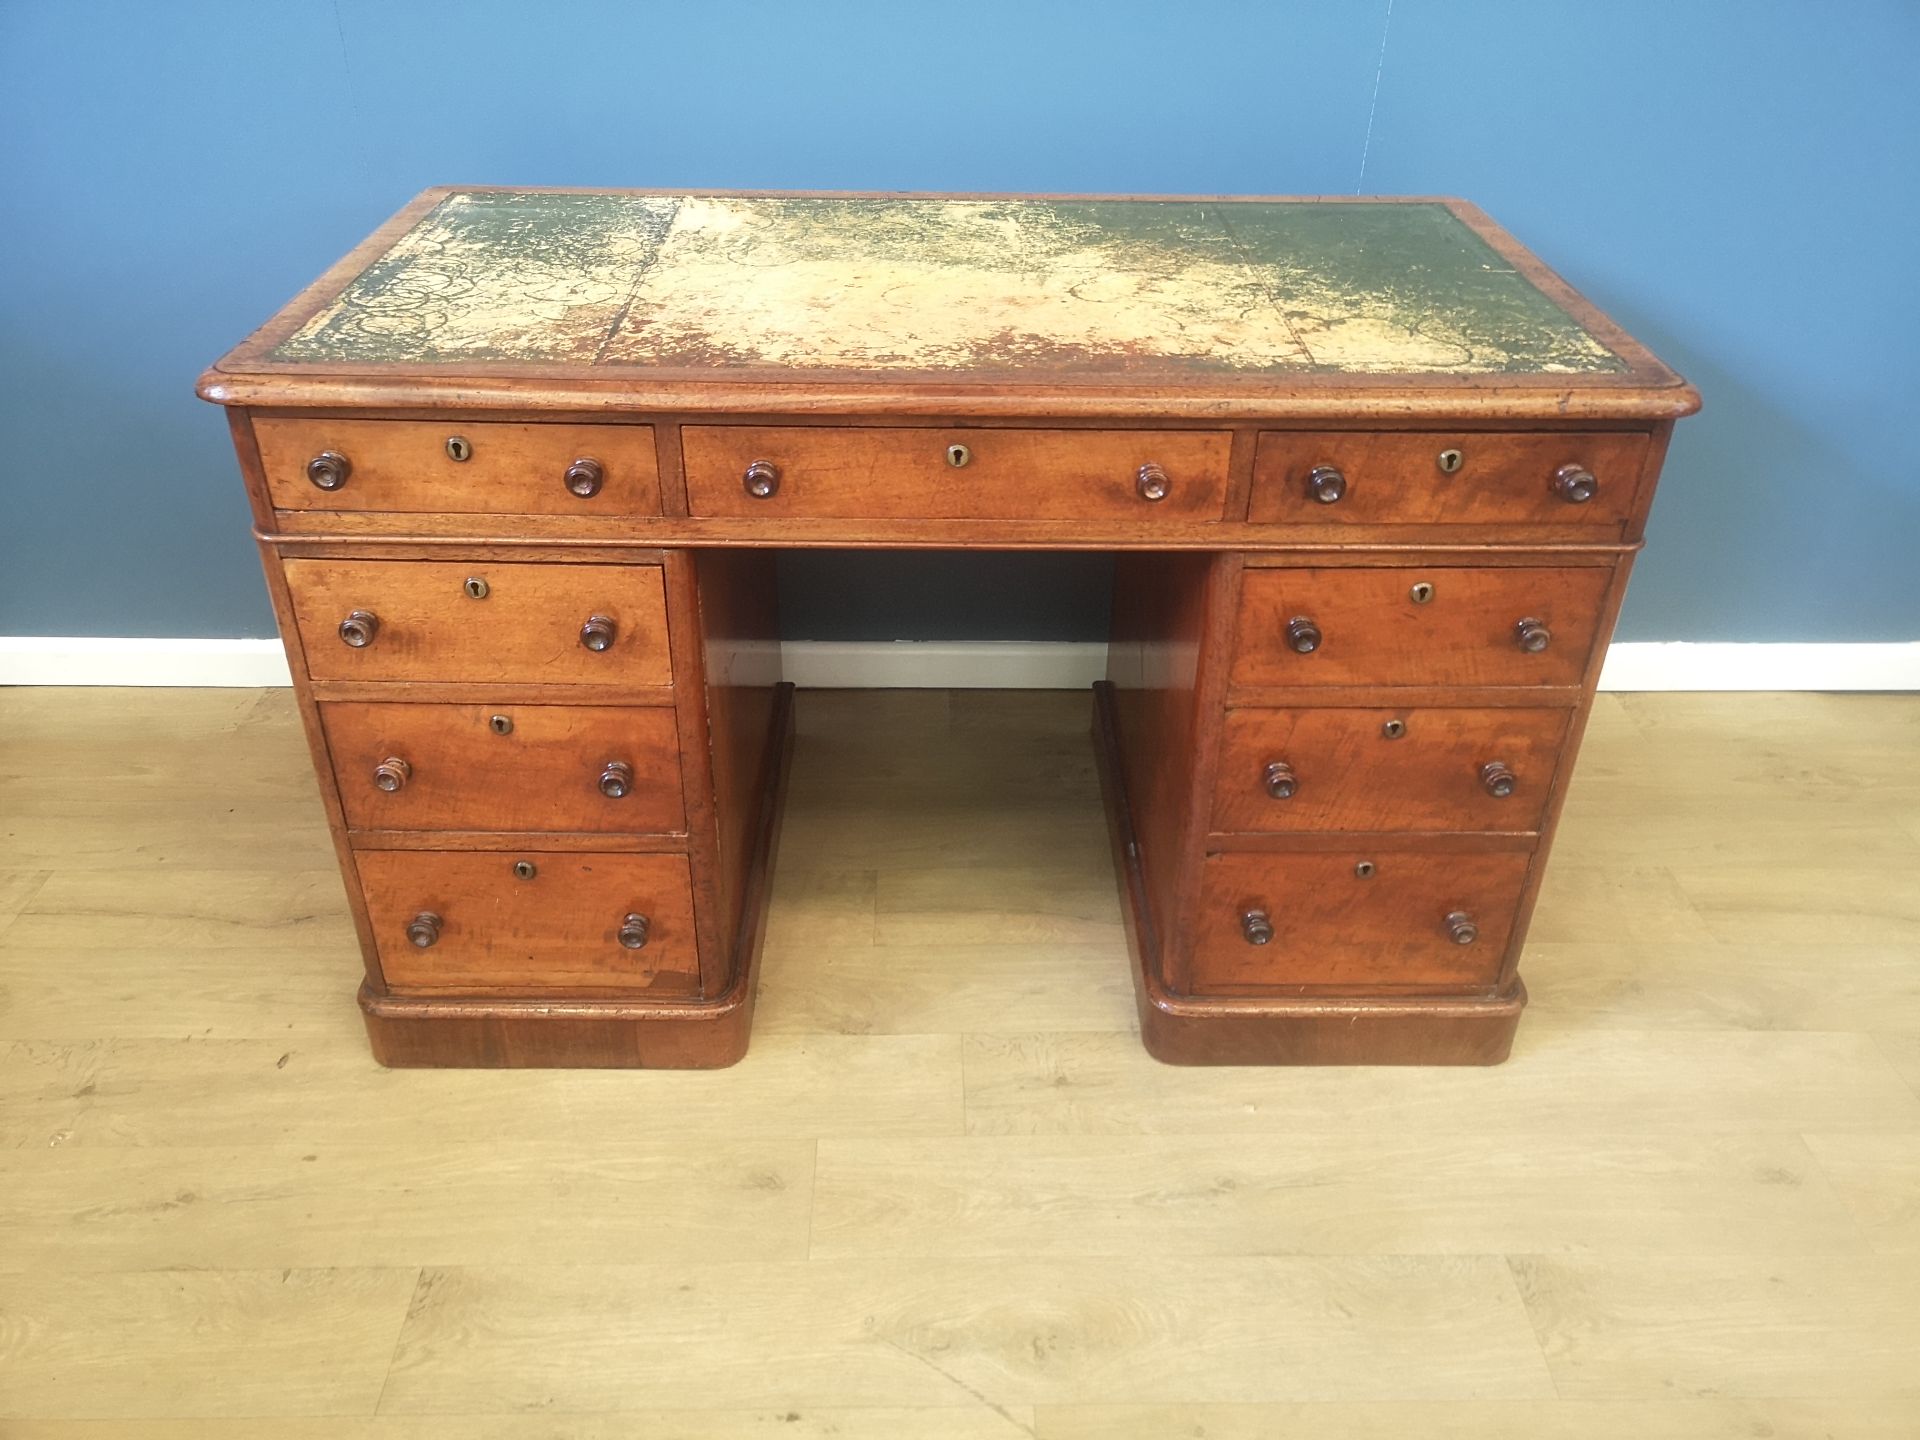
957, 1332
1341, 1194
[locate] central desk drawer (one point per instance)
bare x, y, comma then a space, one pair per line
458, 467
1373, 920
507, 767
1409, 769
531, 921
1139, 476
1417, 625
479, 621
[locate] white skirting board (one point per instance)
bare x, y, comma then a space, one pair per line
956, 664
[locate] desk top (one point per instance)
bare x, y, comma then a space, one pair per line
1003, 304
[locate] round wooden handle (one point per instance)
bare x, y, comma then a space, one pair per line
1461, 929
633, 931
424, 929
1256, 927
1281, 781
1152, 482
1326, 484
359, 628
1303, 636
1497, 778
1575, 484
762, 479
391, 773
585, 476
329, 470
616, 779
1532, 636
598, 633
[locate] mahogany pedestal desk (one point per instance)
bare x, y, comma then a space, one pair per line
520, 464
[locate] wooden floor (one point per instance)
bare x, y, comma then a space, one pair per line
1688, 1207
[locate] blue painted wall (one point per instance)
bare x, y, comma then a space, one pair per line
1737, 183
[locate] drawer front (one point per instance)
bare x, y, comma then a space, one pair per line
1424, 769
960, 474
420, 620
467, 920
1331, 477
507, 767
1411, 922
507, 469
1417, 626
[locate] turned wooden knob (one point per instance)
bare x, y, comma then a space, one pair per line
1256, 927
598, 633
1532, 636
762, 479
329, 470
1326, 484
359, 628
1461, 929
1153, 483
424, 929
585, 476
633, 931
1575, 484
1303, 635
1280, 780
616, 779
391, 773
1497, 779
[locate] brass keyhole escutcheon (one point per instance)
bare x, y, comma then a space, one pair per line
1394, 729
459, 448
475, 587
1364, 869
1421, 593
500, 724
1450, 461
524, 870
958, 456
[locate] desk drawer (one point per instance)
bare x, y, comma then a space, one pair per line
507, 767
529, 921
1413, 921
956, 474
479, 621
1367, 626
1420, 769
323, 463
1357, 477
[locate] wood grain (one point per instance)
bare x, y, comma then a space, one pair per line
869, 473
544, 773
512, 468
552, 932
526, 629
1348, 771
1374, 633
1394, 477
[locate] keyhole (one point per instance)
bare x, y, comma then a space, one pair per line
1364, 869
476, 588
501, 724
1421, 593
523, 870
958, 455
1450, 461
458, 448
1394, 729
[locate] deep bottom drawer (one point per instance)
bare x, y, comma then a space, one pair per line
1392, 921
515, 921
